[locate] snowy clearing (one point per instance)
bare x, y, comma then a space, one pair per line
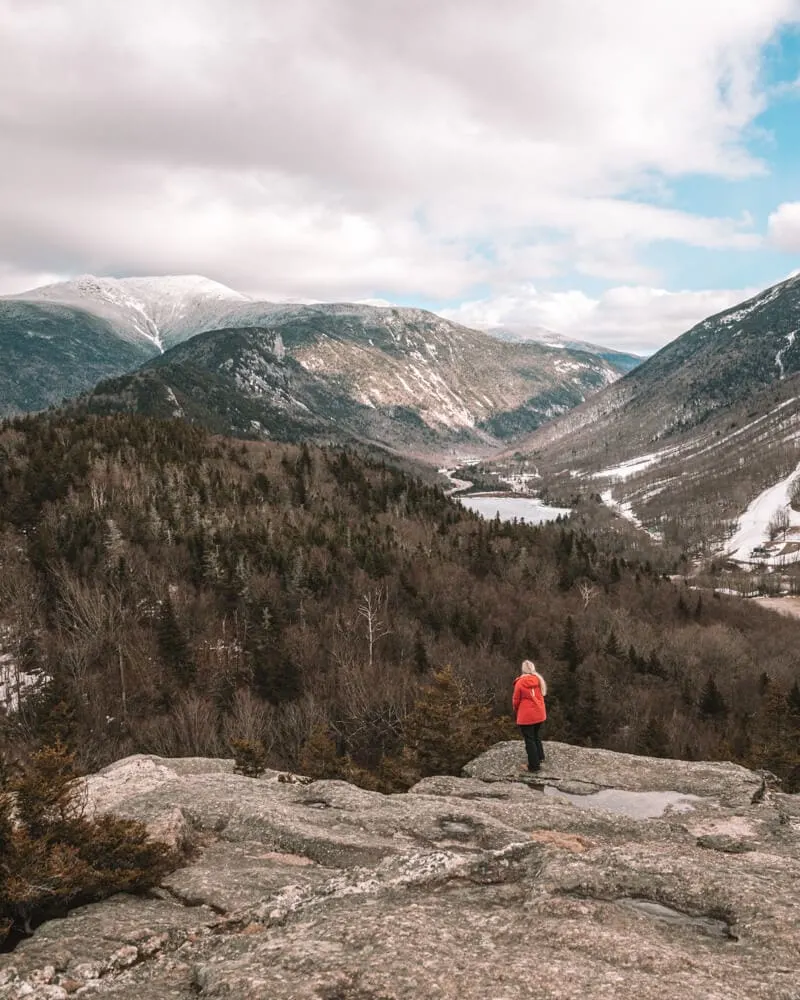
633, 465
753, 533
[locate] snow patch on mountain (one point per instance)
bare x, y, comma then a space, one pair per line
624, 509
737, 315
752, 532
633, 465
779, 356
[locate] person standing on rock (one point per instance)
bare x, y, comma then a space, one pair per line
530, 689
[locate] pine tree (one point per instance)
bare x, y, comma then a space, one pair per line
587, 717
712, 704
52, 856
612, 646
421, 661
447, 727
172, 644
793, 699
569, 645
653, 740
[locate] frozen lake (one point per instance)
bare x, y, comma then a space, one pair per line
527, 509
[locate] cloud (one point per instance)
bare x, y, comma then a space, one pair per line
629, 318
783, 227
348, 149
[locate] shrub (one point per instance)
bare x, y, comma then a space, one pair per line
250, 757
52, 857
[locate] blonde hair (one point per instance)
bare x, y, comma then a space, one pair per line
529, 667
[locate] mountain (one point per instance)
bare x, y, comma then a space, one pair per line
404, 378
524, 334
51, 351
157, 312
386, 359
697, 431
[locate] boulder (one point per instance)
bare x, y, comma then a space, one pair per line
604, 874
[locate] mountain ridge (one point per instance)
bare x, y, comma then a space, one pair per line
405, 379
385, 354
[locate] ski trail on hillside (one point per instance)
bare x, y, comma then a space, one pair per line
753, 523
779, 356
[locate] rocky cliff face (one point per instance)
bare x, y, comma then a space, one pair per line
609, 875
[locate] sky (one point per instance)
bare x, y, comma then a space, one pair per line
610, 169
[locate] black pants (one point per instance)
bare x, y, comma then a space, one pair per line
533, 745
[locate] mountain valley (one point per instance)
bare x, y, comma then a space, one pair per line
687, 440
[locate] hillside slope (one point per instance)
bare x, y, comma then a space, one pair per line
51, 352
518, 333
696, 431
404, 378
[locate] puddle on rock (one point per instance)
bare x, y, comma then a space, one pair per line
637, 805
657, 911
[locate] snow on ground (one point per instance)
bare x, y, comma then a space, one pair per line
632, 466
14, 684
626, 510
519, 482
779, 356
751, 305
752, 531
783, 605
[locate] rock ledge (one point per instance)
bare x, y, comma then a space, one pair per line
624, 875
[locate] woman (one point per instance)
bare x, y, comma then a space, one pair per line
528, 703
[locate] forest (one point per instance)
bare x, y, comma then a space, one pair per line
167, 591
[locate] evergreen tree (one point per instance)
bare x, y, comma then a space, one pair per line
587, 717
653, 740
712, 704
570, 651
421, 661
612, 646
446, 727
793, 699
172, 644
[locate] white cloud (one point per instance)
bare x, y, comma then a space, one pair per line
784, 227
629, 318
347, 148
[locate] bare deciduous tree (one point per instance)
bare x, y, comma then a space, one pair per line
587, 591
779, 523
373, 609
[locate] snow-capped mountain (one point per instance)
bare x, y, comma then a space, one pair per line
452, 380
518, 333
159, 311
694, 434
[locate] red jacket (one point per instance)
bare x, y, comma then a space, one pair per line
528, 701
